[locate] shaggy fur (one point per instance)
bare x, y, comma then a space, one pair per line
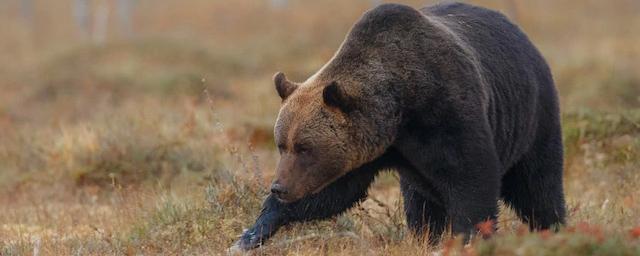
454, 97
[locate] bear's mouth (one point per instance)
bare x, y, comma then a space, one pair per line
301, 191
282, 200
324, 185
290, 198
320, 188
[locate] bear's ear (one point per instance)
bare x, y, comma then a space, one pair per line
283, 86
334, 96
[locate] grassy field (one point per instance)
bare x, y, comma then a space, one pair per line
162, 143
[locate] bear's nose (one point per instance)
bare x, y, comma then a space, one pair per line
278, 190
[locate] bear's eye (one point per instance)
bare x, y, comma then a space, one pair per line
302, 149
282, 148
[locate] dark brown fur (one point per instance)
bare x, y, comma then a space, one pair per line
454, 97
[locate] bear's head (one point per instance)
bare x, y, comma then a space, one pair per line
322, 133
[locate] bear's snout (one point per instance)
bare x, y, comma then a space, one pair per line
278, 190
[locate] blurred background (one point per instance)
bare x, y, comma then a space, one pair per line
173, 100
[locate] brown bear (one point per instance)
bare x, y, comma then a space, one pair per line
453, 97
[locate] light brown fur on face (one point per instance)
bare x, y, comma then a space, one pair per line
347, 114
302, 104
313, 142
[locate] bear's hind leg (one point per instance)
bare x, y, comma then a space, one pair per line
533, 187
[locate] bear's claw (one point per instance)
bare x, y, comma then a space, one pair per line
265, 226
249, 239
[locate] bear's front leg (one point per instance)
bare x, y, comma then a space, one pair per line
471, 204
463, 168
336, 198
272, 217
472, 187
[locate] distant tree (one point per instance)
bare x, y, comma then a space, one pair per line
375, 2
101, 22
81, 16
26, 10
96, 25
124, 11
278, 4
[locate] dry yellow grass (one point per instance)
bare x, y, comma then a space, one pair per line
161, 144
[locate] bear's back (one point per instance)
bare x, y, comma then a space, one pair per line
519, 79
